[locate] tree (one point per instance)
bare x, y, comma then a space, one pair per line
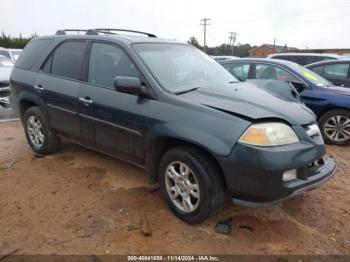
193, 41
14, 42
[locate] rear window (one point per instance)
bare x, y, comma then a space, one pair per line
5, 62
32, 52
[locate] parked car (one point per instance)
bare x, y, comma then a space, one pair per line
336, 71
12, 54
219, 58
305, 58
331, 104
168, 107
6, 66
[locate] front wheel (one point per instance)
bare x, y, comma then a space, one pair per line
335, 127
191, 183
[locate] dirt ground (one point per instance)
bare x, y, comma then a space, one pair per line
78, 201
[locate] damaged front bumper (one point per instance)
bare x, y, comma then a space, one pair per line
254, 176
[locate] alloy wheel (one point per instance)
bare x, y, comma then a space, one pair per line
182, 186
337, 128
35, 131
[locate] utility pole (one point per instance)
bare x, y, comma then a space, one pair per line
274, 43
232, 38
204, 23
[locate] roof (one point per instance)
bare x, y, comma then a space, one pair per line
307, 54
263, 60
278, 48
110, 34
328, 62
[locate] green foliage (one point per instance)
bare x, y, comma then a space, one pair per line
7, 41
241, 50
193, 41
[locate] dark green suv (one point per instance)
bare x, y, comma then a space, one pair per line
173, 110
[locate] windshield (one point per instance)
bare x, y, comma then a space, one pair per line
310, 75
5, 62
181, 68
15, 54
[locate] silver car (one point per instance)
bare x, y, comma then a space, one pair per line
6, 66
11, 53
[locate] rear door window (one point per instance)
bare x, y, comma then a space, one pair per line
239, 70
336, 71
68, 59
265, 71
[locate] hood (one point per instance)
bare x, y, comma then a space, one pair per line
248, 100
5, 73
338, 90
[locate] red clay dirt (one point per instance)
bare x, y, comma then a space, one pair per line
77, 201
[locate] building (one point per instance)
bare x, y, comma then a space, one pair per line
266, 49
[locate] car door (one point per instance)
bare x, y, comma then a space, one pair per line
338, 73
58, 84
111, 121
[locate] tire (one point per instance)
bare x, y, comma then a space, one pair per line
49, 142
204, 173
340, 119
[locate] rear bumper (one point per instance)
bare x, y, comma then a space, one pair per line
254, 175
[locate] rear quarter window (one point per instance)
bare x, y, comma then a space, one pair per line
33, 50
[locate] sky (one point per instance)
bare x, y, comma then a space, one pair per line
296, 23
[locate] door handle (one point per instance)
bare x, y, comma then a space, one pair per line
85, 100
38, 87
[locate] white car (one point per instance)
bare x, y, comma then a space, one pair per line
6, 66
11, 53
219, 58
305, 58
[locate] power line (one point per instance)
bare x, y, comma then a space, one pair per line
204, 23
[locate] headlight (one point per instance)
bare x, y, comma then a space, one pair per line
269, 134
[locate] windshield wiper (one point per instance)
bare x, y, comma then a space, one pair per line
186, 91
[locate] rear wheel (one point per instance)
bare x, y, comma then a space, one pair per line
40, 138
191, 183
335, 127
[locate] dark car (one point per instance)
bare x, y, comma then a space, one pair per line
331, 104
169, 108
305, 58
335, 71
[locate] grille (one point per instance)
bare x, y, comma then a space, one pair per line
4, 91
310, 169
2, 85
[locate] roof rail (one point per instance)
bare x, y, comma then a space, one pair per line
111, 30
63, 31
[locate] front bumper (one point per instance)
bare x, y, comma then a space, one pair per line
5, 96
254, 175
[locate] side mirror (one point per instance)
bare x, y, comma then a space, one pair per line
128, 85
